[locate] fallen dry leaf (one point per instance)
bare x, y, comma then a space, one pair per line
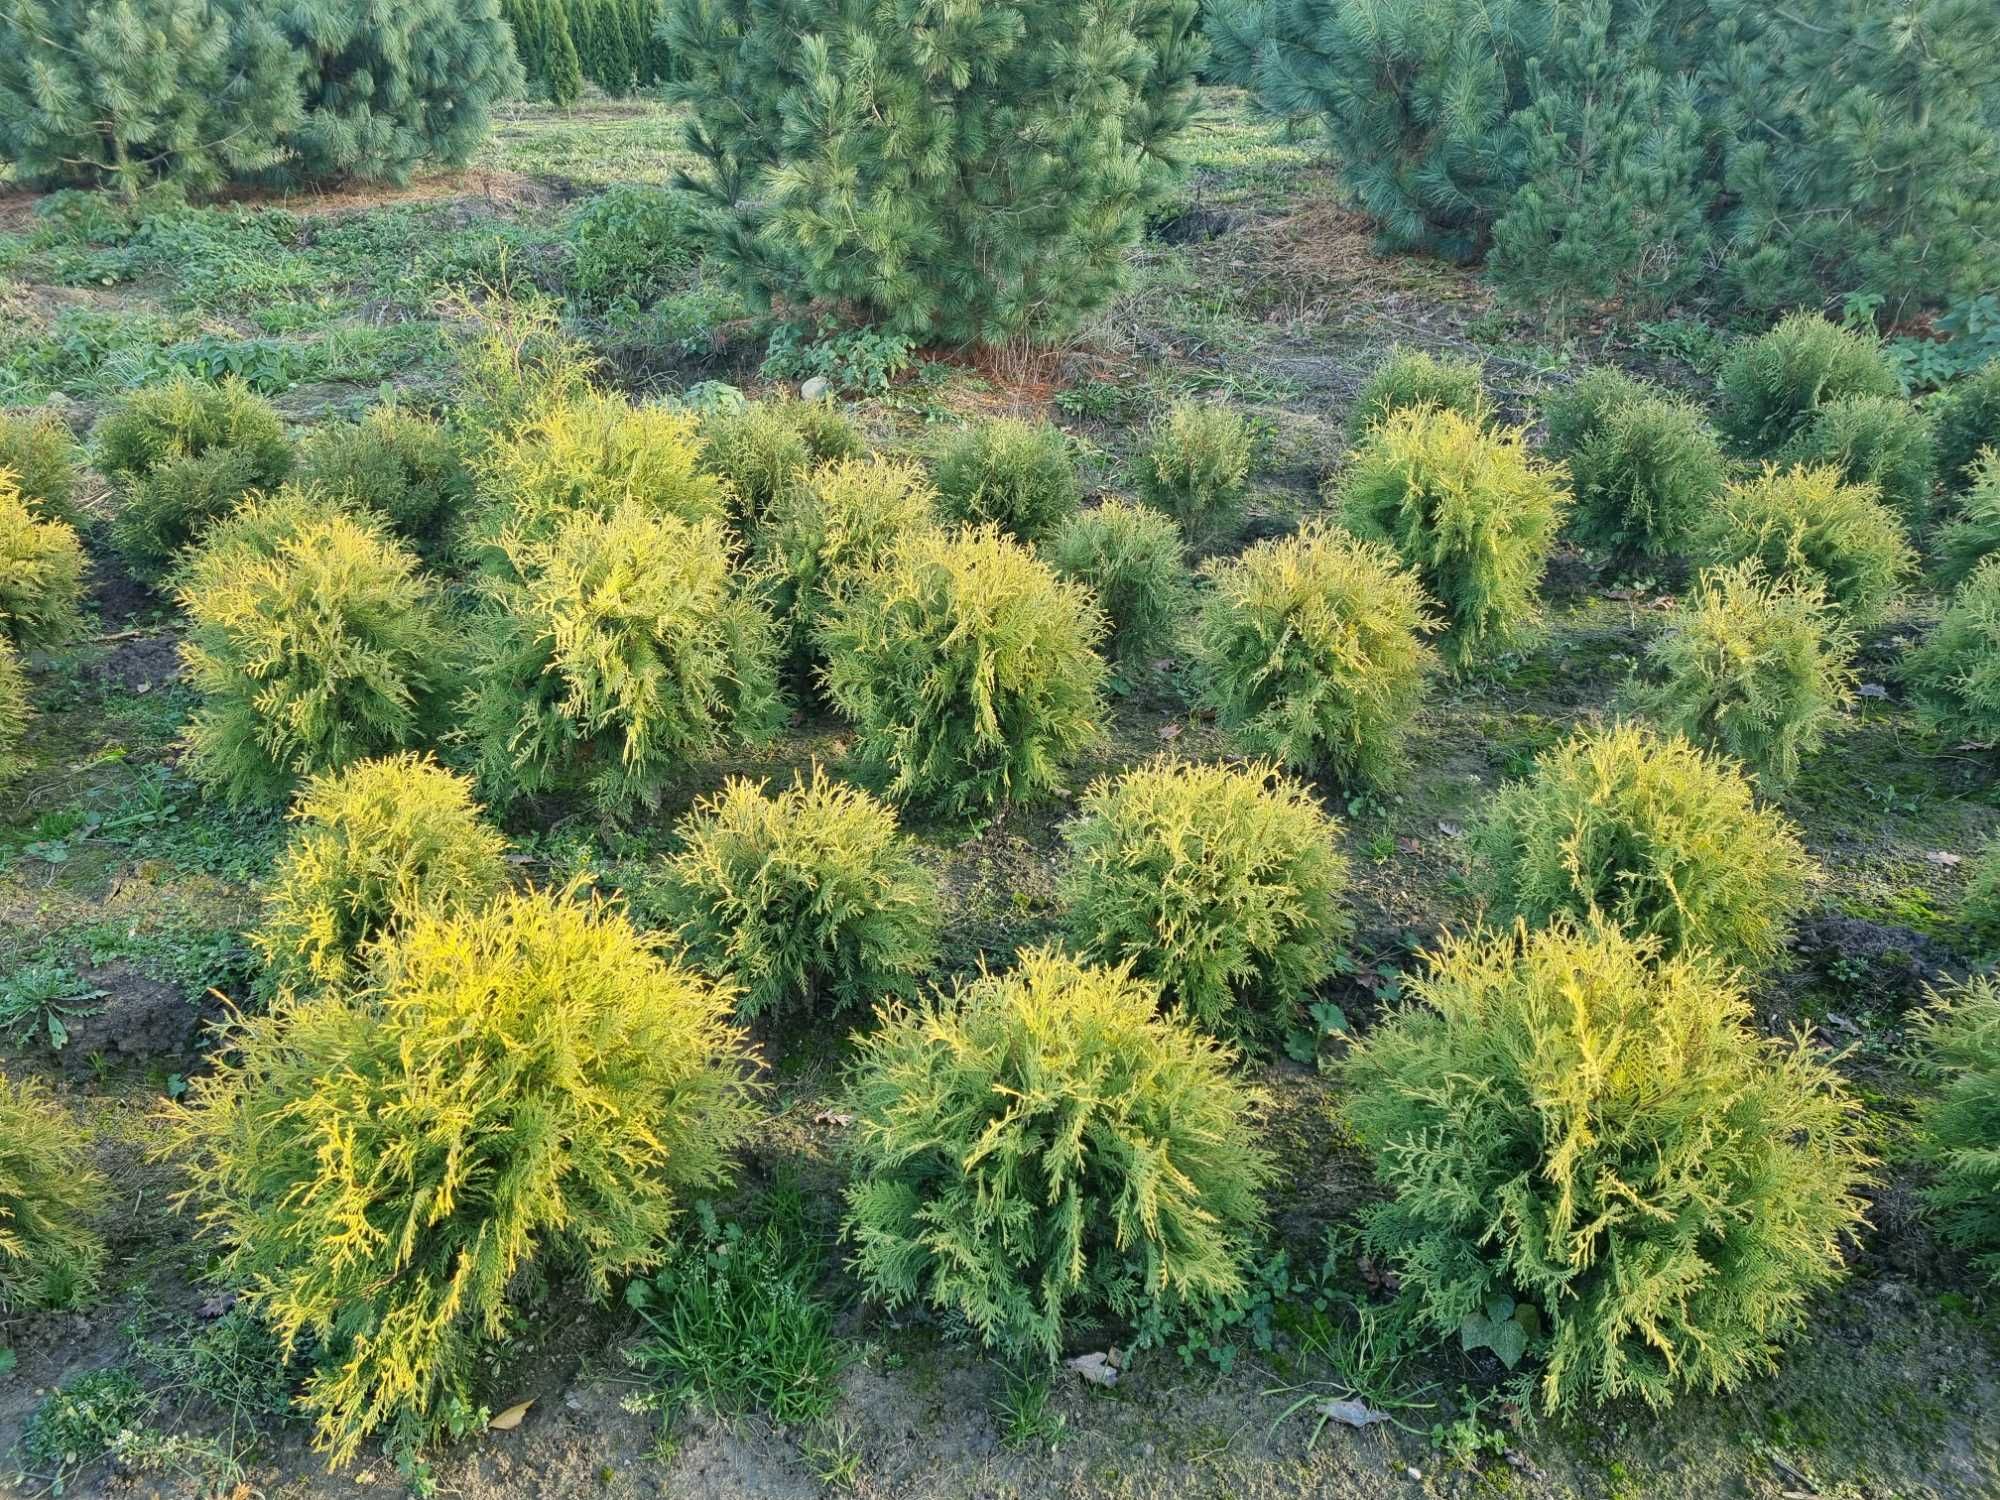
509, 1419
1098, 1369
1350, 1413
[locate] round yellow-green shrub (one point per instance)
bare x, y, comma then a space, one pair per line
319, 644
50, 1196
1411, 378
1019, 476
622, 647
1043, 1154
14, 713
1883, 441
506, 1097
1771, 385
1811, 523
40, 453
1644, 465
370, 845
1966, 418
1751, 667
41, 575
181, 455
1222, 885
1194, 465
1958, 1051
969, 670
811, 901
1647, 831
404, 467
760, 449
1310, 649
1597, 1162
1470, 509
1954, 675
1133, 559
1973, 533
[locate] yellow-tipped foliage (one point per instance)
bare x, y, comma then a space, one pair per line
1958, 1049
1019, 476
1811, 523
762, 449
50, 1193
41, 574
14, 713
1954, 676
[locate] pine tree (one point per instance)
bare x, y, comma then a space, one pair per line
961, 176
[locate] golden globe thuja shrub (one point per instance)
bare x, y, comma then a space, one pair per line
1751, 667
1310, 649
1194, 465
370, 845
314, 640
50, 1196
182, 454
41, 574
14, 713
1644, 465
1812, 523
1597, 1160
1019, 476
1411, 378
1973, 533
516, 363
761, 449
1223, 885
1958, 1054
969, 670
810, 900
1883, 441
823, 534
1470, 509
1650, 832
510, 1096
40, 453
1979, 915
1133, 559
1771, 385
1042, 1153
401, 465
1954, 674
618, 649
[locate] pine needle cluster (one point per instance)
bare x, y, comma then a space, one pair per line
507, 1096
1589, 1143
41, 455
1221, 885
1041, 1152
1954, 676
50, 1252
371, 844
969, 670
810, 901
1470, 509
1812, 524
1194, 465
1958, 1050
41, 575
1133, 560
1411, 378
1019, 476
1771, 385
404, 467
181, 455
620, 647
1753, 668
1310, 649
1645, 465
314, 641
1649, 832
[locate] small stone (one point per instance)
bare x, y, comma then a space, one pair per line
815, 388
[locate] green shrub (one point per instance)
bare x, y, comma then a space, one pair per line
1752, 668
1881, 441
1954, 676
968, 669
1596, 1156
1194, 464
1647, 831
1041, 1152
182, 454
49, 1193
1018, 476
372, 844
1959, 1122
41, 575
511, 1094
1966, 420
1310, 649
628, 644
1469, 509
1220, 885
1809, 524
629, 242
1644, 465
592, 454
1980, 916
404, 467
517, 361
1412, 378
761, 449
332, 648
810, 901
1772, 385
1973, 535
41, 455
1132, 560
825, 533
14, 714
